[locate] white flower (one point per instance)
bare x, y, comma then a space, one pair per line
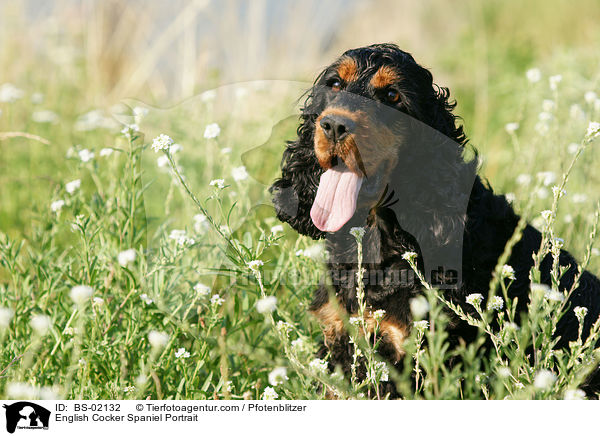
544, 380
593, 130
568, 218
81, 293
255, 265
523, 179
574, 394
378, 315
139, 113
216, 300
580, 313
175, 148
85, 155
595, 252
82, 362
495, 303
547, 215
201, 223
382, 368
590, 97
219, 183
266, 305
37, 98
21, 390
212, 131
508, 272
558, 242
421, 326
207, 96
6, 314
554, 81
127, 256
44, 116
419, 306
105, 152
277, 229
548, 105
57, 205
318, 365
539, 289
269, 394
511, 127
554, 295
158, 339
299, 253
98, 301
9, 93
239, 173
181, 353
357, 232
298, 344
278, 376
73, 186
534, 75
409, 256
240, 92
129, 389
162, 161
576, 112
181, 237
229, 386
314, 252
558, 192
40, 324
146, 299
201, 289
283, 326
504, 372
353, 320
161, 142
547, 177
474, 299
226, 150
579, 198
545, 117
541, 192
130, 130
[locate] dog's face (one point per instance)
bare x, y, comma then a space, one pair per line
352, 132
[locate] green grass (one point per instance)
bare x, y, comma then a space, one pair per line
126, 201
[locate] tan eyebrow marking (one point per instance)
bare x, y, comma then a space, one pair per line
348, 69
384, 76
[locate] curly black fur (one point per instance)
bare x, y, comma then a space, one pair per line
489, 222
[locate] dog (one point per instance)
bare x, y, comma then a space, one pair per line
379, 147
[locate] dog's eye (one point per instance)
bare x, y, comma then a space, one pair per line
392, 96
335, 84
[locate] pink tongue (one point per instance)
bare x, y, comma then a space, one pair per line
335, 202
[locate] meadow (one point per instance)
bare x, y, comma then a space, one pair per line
140, 256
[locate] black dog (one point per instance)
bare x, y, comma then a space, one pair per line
379, 148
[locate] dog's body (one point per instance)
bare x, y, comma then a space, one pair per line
341, 172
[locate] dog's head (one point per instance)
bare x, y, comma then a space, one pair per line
354, 127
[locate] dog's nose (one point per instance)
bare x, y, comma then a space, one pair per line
336, 127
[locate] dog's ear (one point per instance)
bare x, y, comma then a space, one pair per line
294, 193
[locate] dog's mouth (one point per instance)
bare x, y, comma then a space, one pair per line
337, 196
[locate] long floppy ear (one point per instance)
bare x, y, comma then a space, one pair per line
294, 193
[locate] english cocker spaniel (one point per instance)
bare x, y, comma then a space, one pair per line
379, 148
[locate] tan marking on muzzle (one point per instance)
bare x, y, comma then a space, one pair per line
345, 149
